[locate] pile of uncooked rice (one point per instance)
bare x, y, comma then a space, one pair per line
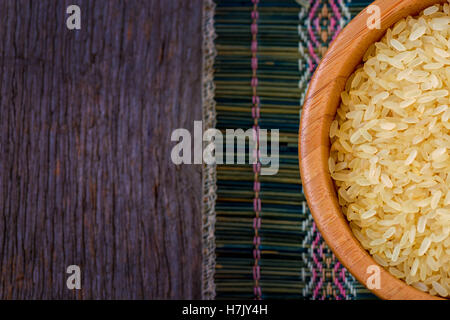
390, 151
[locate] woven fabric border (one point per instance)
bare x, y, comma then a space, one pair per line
209, 171
320, 23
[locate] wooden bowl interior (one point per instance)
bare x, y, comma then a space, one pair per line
322, 100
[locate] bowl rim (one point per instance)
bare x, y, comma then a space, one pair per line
319, 109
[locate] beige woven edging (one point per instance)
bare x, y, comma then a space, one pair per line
209, 171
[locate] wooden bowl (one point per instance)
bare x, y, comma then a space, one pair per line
322, 100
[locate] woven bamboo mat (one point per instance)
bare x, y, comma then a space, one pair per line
280, 255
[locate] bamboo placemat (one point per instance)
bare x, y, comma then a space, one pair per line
265, 244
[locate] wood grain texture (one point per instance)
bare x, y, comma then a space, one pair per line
319, 110
85, 170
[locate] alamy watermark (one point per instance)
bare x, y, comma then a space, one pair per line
374, 19
234, 146
73, 21
74, 280
373, 281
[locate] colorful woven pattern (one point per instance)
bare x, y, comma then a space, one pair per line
267, 245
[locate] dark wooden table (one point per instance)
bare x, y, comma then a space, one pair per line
86, 176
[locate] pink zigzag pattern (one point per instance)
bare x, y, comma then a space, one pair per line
318, 280
332, 26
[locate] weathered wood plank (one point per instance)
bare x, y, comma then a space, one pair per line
85, 170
